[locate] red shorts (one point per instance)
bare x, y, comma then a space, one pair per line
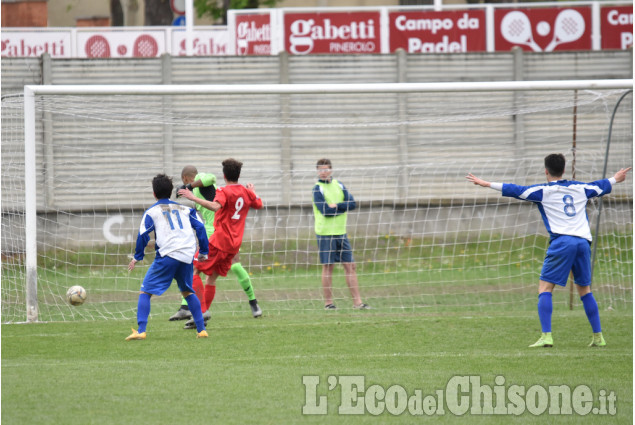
217, 261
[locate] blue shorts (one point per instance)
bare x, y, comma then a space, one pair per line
161, 272
566, 254
334, 249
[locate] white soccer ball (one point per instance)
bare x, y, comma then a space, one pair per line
76, 295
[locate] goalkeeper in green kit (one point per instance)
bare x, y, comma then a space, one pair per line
203, 185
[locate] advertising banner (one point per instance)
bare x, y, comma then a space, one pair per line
543, 29
204, 43
120, 44
438, 32
35, 43
253, 34
332, 32
617, 27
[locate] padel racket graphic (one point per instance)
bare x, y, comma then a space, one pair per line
145, 46
569, 27
97, 47
516, 28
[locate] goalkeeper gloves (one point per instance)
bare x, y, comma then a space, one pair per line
183, 186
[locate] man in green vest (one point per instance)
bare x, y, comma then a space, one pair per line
331, 202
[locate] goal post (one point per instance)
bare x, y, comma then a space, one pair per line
419, 185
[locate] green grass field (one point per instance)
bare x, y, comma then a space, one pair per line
251, 371
438, 312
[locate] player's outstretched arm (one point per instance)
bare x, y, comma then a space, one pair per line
480, 182
210, 205
620, 176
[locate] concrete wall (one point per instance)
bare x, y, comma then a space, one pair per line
408, 178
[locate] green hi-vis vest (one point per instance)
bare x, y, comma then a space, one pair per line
331, 225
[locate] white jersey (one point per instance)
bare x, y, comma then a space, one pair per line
562, 204
172, 224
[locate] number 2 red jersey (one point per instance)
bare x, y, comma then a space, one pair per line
229, 221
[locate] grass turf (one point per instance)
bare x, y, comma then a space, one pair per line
251, 371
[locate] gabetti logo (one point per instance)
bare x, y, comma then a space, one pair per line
19, 46
249, 33
355, 37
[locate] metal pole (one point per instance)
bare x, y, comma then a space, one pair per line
30, 206
573, 148
606, 160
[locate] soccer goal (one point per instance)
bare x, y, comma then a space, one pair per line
77, 164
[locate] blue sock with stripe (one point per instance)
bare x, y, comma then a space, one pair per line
195, 308
545, 308
143, 311
592, 311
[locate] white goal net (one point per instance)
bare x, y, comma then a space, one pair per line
423, 238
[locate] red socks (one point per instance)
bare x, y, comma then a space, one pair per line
210, 292
199, 289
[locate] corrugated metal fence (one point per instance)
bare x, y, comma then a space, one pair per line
286, 143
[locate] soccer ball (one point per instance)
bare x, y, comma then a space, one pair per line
76, 295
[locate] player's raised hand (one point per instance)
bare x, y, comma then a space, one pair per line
620, 176
250, 186
187, 194
472, 178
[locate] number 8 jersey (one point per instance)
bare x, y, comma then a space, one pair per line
229, 222
172, 224
562, 204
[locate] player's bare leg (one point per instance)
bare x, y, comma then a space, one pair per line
545, 309
327, 286
350, 270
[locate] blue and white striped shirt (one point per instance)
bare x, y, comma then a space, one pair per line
562, 203
172, 224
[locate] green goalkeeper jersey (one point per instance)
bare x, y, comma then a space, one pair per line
209, 180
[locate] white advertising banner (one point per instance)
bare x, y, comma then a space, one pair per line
58, 44
120, 44
213, 42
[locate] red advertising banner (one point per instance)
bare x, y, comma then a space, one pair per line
617, 27
253, 34
333, 32
543, 29
438, 32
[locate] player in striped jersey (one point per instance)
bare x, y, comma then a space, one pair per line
562, 204
175, 245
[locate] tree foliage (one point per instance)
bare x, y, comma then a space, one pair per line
158, 12
218, 9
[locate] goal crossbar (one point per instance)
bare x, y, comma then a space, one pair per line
190, 89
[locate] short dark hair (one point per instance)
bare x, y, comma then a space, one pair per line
231, 169
323, 161
554, 164
189, 171
162, 186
